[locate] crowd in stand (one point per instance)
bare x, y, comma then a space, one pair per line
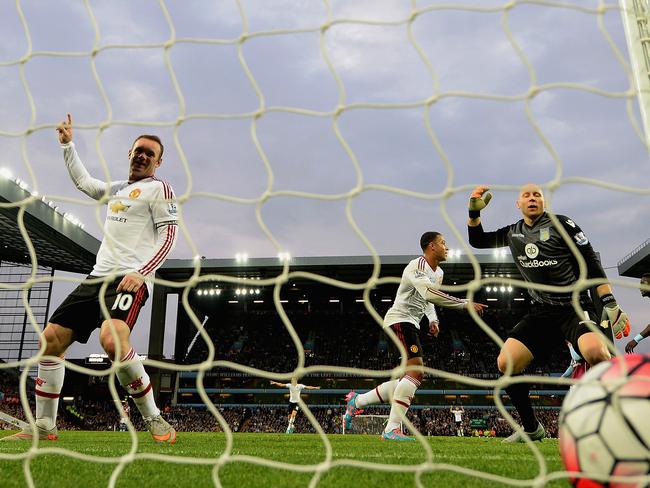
103, 416
10, 400
352, 339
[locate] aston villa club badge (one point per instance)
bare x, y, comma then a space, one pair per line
544, 234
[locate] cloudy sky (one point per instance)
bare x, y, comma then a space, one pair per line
340, 99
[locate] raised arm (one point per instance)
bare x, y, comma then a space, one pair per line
478, 238
312, 387
275, 383
92, 187
431, 292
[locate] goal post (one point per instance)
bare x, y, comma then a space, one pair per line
635, 15
11, 420
366, 424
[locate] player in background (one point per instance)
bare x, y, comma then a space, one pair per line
629, 347
294, 397
416, 295
542, 256
125, 414
139, 232
458, 411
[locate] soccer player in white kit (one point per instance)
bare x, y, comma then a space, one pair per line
139, 232
124, 415
458, 411
418, 290
294, 397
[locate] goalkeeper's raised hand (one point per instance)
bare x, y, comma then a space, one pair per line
478, 200
612, 316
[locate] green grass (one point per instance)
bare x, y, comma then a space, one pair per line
56, 469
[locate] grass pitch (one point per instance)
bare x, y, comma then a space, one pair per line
52, 465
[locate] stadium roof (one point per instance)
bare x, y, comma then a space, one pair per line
637, 262
59, 241
354, 269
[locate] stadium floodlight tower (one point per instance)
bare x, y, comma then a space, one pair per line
635, 15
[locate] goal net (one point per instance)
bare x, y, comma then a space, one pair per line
333, 128
366, 424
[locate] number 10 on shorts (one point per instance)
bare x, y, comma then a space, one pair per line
123, 301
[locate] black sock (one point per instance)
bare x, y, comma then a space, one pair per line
518, 393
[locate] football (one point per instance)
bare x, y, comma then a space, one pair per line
604, 428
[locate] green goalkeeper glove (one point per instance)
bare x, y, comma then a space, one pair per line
478, 200
612, 316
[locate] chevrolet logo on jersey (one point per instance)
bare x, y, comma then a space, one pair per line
117, 207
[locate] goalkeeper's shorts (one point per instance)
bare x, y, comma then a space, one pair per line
547, 328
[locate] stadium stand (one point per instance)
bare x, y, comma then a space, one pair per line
353, 339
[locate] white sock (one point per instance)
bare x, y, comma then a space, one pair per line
380, 394
48, 389
137, 383
402, 397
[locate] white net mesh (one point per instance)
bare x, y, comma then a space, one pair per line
367, 424
293, 122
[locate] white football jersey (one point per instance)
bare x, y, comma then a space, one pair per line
140, 227
294, 392
410, 305
458, 414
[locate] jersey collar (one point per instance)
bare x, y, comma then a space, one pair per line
427, 263
537, 221
147, 179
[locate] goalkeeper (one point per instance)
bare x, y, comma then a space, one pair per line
544, 257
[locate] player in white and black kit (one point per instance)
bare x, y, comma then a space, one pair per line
458, 411
542, 256
417, 293
294, 398
139, 232
125, 415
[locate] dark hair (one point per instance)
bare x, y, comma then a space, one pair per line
151, 138
645, 276
427, 238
